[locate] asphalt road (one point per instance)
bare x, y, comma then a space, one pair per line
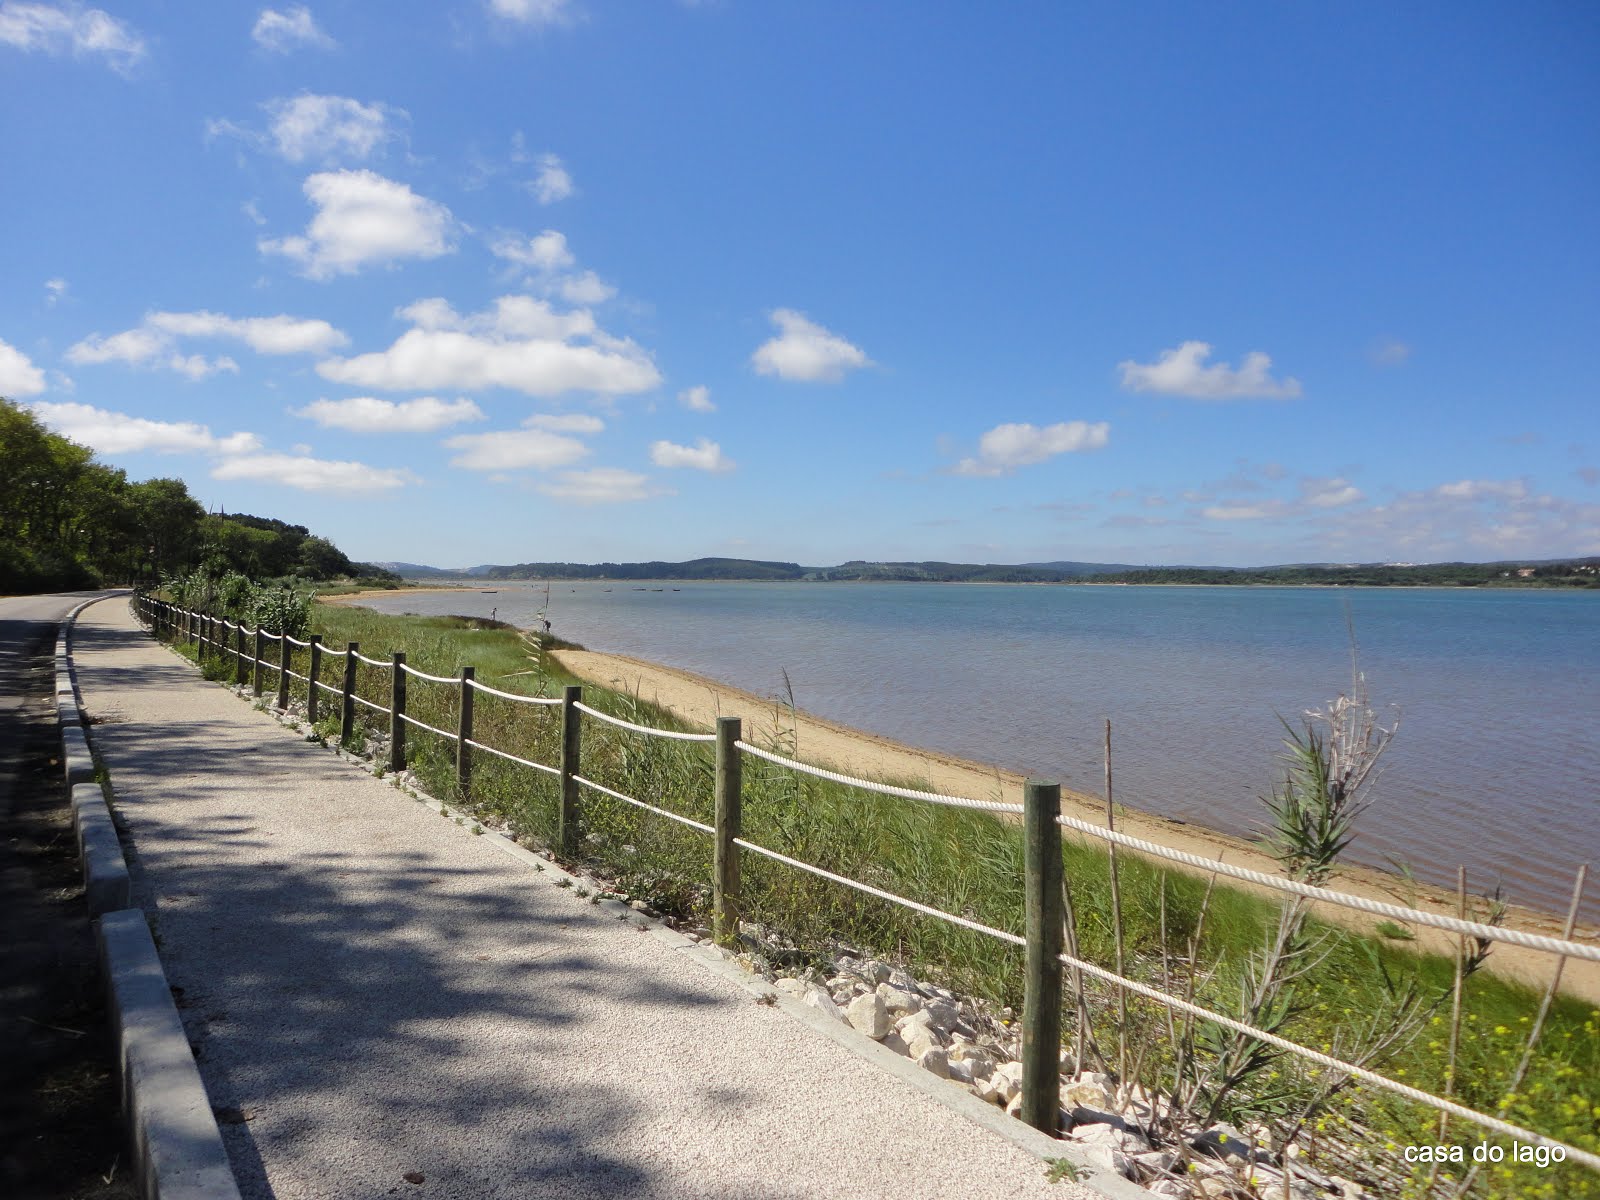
59, 1131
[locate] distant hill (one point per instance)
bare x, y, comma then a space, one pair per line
1079, 569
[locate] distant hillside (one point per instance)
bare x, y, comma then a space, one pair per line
1583, 572
698, 568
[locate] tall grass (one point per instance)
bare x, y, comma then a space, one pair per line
970, 863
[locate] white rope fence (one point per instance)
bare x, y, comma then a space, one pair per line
371, 662
964, 922
360, 699
660, 812
1476, 929
520, 699
1495, 1124
527, 762
653, 732
410, 720
882, 788
410, 670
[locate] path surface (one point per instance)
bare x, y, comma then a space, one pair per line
378, 992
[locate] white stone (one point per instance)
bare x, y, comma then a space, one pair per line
1127, 1140
898, 1000
1014, 1105
942, 1015
1086, 1095
896, 1043
822, 1002
1108, 1159
933, 1060
869, 1015
876, 972
795, 987
922, 1040
1007, 1081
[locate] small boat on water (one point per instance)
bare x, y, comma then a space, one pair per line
490, 591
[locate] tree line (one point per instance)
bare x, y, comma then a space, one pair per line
69, 521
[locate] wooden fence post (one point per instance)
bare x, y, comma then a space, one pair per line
283, 672
261, 651
313, 671
729, 824
397, 712
464, 734
347, 704
571, 744
241, 671
1041, 1013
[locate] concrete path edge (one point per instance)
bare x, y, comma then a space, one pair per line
172, 1134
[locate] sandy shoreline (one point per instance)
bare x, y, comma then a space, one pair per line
699, 701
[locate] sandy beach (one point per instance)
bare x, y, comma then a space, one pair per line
699, 701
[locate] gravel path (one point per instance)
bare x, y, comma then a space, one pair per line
376, 992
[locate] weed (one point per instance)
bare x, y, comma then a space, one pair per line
1393, 931
563, 882
1057, 1169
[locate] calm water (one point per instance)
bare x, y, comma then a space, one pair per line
1496, 765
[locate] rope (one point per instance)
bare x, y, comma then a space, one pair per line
884, 788
383, 708
409, 720
410, 670
1327, 1060
527, 762
294, 641
666, 733
882, 895
1516, 937
483, 687
296, 675
372, 662
328, 687
661, 812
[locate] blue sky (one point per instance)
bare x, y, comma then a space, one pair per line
510, 280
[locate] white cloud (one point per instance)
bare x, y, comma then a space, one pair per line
602, 485
71, 29
282, 31
18, 376
554, 181
1391, 352
805, 351
1482, 489
328, 128
704, 455
1329, 493
145, 347
1238, 512
312, 474
281, 334
547, 256
364, 219
119, 433
522, 343
697, 399
533, 12
54, 290
514, 449
1006, 447
368, 414
566, 422
1182, 372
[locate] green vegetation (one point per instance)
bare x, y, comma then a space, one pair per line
1324, 986
1580, 572
67, 521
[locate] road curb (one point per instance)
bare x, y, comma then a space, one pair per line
172, 1134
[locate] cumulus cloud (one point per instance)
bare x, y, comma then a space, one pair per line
154, 343
364, 219
368, 414
312, 474
1182, 372
521, 343
328, 127
704, 455
118, 433
566, 422
54, 290
18, 376
549, 260
71, 29
514, 450
804, 350
1482, 489
533, 12
1006, 447
281, 32
553, 182
1329, 493
1390, 352
602, 485
1238, 512
147, 347
697, 399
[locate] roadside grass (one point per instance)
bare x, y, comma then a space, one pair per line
970, 863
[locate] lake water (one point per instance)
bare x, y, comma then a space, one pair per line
1496, 764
